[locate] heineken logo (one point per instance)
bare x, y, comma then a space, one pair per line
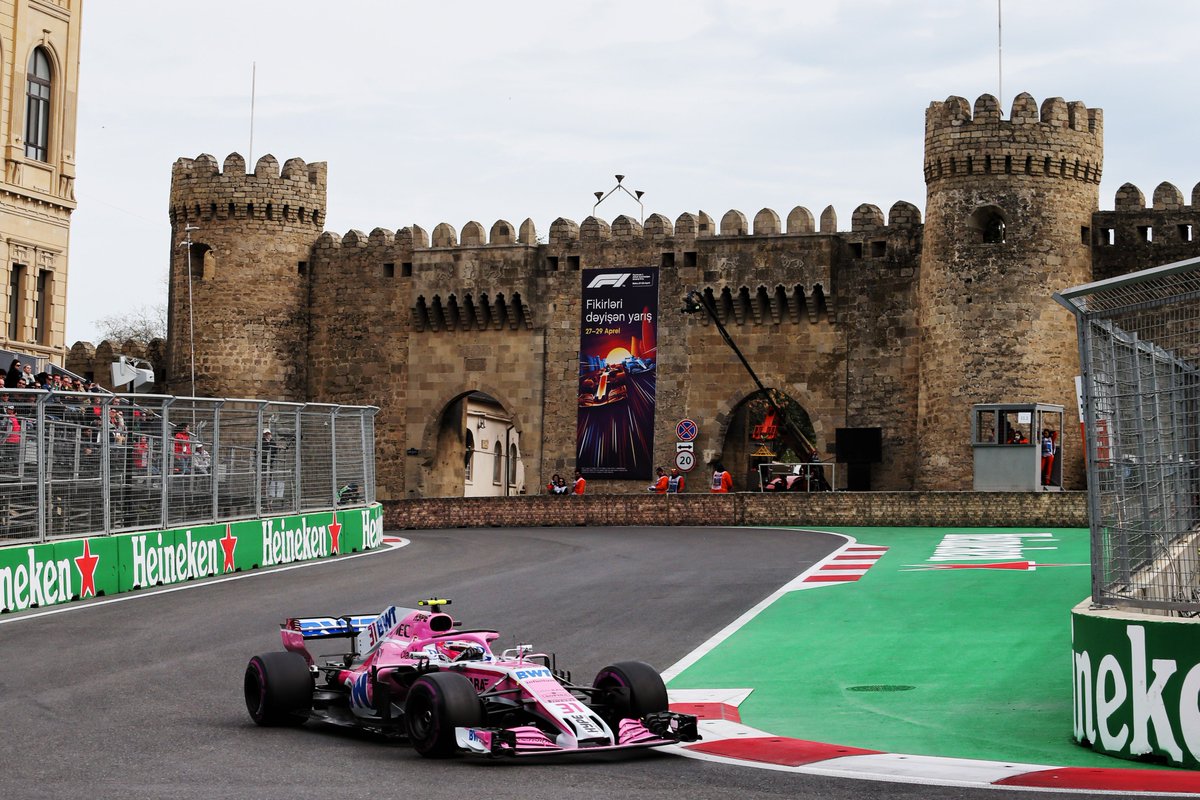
155, 561
1130, 704
372, 529
36, 581
284, 545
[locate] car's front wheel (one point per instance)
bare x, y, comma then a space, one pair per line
278, 688
629, 689
437, 703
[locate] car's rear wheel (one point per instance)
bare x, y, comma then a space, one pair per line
436, 704
279, 689
629, 689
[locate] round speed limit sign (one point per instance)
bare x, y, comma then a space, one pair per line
685, 460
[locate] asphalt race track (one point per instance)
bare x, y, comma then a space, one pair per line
142, 698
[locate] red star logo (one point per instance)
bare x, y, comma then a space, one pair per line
335, 531
229, 545
86, 564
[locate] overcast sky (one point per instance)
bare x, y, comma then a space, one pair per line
455, 111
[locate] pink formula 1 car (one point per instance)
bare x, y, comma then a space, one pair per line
415, 673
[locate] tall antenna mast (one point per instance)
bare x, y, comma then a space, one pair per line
253, 78
999, 53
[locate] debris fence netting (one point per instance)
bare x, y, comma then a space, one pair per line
83, 464
1139, 344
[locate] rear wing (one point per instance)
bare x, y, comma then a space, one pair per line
347, 626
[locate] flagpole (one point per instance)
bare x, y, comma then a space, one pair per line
253, 77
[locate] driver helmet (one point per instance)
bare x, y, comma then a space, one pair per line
460, 650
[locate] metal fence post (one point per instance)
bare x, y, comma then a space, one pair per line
334, 453
214, 460
41, 461
298, 472
258, 464
167, 466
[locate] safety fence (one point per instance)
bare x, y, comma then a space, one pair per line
1139, 344
75, 464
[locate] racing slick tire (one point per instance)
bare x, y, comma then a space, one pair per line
279, 689
437, 703
629, 689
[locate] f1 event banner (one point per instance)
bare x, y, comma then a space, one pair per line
38, 575
618, 353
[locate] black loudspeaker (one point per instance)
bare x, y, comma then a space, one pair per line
858, 477
859, 445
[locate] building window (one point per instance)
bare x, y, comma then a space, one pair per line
37, 106
512, 463
498, 465
469, 461
42, 306
988, 225
16, 278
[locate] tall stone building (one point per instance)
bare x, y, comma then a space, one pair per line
894, 324
39, 75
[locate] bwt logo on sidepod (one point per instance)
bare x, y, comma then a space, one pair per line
613, 279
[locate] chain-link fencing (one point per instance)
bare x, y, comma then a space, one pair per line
1139, 344
82, 464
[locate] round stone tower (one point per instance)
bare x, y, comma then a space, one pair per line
242, 317
1007, 223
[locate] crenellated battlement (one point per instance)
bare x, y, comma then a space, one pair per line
1165, 229
293, 194
903, 217
1060, 140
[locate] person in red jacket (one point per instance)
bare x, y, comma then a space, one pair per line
12, 439
580, 483
722, 481
183, 448
660, 482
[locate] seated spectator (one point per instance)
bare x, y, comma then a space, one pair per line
13, 376
201, 460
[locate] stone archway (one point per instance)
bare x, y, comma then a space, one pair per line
755, 434
474, 449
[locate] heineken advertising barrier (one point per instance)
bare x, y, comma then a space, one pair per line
44, 574
1136, 684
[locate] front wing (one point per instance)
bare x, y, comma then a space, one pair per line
653, 730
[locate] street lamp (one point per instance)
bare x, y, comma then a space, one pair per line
693, 302
187, 242
636, 195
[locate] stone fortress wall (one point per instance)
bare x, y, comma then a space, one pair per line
894, 323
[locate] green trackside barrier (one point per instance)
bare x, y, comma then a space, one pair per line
33, 576
1136, 684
